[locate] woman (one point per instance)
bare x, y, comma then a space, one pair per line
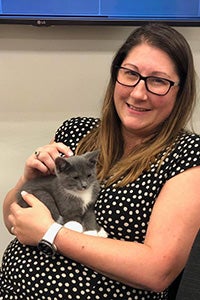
149, 172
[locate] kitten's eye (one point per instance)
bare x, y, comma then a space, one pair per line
76, 177
89, 175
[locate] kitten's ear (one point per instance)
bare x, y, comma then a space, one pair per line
61, 164
92, 156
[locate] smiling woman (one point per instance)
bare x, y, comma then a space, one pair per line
149, 199
149, 100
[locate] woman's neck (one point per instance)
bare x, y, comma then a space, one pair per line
131, 140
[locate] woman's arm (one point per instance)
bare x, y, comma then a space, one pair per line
9, 199
153, 265
156, 263
35, 166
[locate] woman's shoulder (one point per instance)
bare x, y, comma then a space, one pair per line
188, 143
83, 122
184, 155
75, 123
187, 137
72, 130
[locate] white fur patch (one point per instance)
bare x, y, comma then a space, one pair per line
102, 233
85, 195
91, 232
73, 225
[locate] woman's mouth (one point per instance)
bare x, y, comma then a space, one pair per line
139, 109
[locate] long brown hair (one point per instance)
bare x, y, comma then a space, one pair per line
108, 138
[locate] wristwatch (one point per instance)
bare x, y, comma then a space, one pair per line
46, 244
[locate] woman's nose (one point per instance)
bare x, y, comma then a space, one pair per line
139, 91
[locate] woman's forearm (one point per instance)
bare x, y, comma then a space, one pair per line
132, 263
9, 199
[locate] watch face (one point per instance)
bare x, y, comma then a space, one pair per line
47, 248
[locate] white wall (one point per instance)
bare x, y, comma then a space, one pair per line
50, 74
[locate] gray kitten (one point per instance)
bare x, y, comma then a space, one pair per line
70, 195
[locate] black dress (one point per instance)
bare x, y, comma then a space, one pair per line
26, 273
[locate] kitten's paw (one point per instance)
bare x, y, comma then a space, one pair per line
73, 225
60, 220
102, 233
91, 232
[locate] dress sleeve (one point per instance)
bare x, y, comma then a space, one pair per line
185, 155
74, 129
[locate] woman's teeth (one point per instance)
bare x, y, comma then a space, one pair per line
137, 108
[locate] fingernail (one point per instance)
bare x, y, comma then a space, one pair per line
23, 193
70, 153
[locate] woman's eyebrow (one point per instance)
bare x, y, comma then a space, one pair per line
154, 73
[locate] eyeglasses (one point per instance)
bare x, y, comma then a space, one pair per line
155, 85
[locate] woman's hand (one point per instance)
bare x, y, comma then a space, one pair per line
30, 224
41, 162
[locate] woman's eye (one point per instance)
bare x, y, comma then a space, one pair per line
158, 81
131, 74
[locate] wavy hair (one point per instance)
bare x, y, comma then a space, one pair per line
108, 138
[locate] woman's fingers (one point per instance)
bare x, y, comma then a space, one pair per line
35, 216
43, 159
47, 155
63, 149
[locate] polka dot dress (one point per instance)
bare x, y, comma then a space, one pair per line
26, 273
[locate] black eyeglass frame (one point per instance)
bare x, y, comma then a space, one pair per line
145, 78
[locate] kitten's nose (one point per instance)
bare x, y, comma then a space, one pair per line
84, 185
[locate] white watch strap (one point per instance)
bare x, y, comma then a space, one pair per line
52, 232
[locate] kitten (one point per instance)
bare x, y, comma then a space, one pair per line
70, 195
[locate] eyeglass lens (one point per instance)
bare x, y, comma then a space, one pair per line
156, 85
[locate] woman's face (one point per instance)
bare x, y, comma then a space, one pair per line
139, 110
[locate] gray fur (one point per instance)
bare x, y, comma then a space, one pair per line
71, 193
